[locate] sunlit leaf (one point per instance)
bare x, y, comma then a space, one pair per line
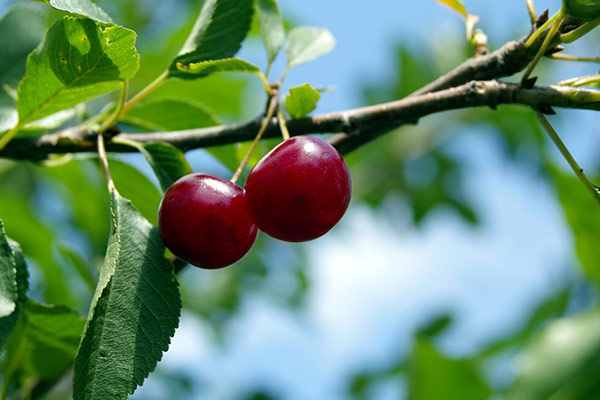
81, 7
301, 101
205, 68
305, 43
79, 59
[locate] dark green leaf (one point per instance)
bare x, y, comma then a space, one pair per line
171, 114
305, 43
301, 101
81, 7
13, 285
271, 27
79, 59
218, 33
44, 343
137, 187
433, 376
167, 161
205, 68
134, 312
563, 362
583, 8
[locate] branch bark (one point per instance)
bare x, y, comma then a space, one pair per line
360, 125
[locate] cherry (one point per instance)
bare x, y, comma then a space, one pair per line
299, 190
203, 219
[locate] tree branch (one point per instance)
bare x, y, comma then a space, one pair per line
360, 125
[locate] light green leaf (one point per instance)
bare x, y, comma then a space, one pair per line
563, 362
583, 8
134, 312
305, 43
13, 285
8, 118
218, 33
205, 68
137, 187
83, 268
433, 376
171, 114
167, 161
271, 27
301, 101
81, 7
44, 343
79, 59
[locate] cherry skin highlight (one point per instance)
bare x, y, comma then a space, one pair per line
203, 219
299, 190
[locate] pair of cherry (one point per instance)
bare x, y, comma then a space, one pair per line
297, 192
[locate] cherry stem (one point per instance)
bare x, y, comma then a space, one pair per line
531, 10
283, 126
593, 189
270, 111
110, 121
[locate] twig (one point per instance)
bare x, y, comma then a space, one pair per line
593, 189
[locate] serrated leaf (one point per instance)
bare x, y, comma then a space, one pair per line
78, 60
167, 161
563, 362
270, 24
301, 101
583, 8
206, 68
44, 343
134, 312
305, 43
171, 114
13, 285
218, 33
81, 7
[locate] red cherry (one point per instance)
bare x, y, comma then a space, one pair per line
299, 190
203, 219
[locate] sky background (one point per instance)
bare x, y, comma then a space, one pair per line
365, 303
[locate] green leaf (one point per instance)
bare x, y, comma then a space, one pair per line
83, 268
79, 59
13, 285
44, 343
584, 219
271, 27
167, 161
432, 376
205, 68
563, 362
301, 101
134, 312
137, 187
583, 8
305, 43
171, 114
21, 30
81, 7
218, 33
